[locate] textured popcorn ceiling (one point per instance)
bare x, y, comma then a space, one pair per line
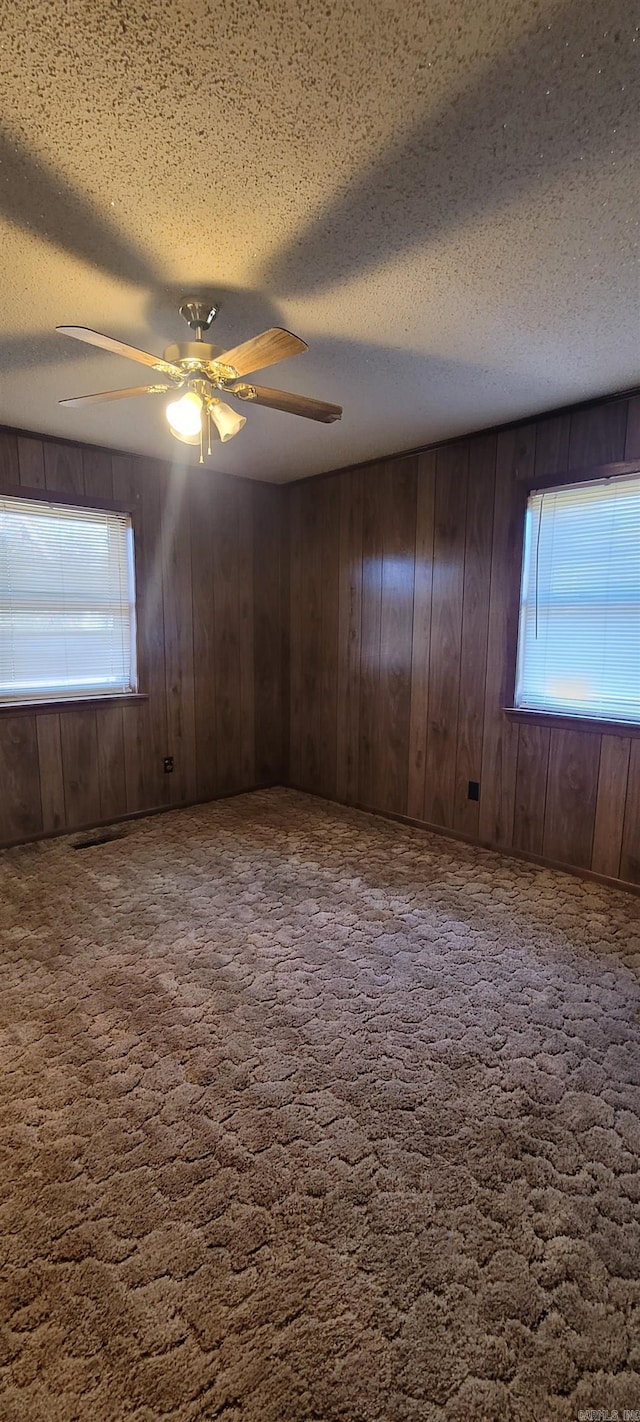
441, 199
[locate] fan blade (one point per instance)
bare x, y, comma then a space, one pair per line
117, 394
107, 343
266, 349
291, 404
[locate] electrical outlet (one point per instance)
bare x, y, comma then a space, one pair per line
168, 764
473, 792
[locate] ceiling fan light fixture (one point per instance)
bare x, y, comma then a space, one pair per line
185, 417
197, 369
227, 421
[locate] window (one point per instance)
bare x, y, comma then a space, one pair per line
67, 602
579, 635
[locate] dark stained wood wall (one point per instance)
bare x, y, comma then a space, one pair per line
385, 599
210, 643
403, 588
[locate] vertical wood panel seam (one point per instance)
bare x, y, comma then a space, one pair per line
624, 808
213, 552
437, 477
322, 582
380, 535
193, 642
413, 616
414, 515
513, 669
428, 667
192, 733
163, 569
40, 776
357, 698
238, 603
483, 708
464, 573
336, 644
336, 728
595, 807
546, 791
627, 408
248, 522
515, 797
64, 788
493, 579
100, 787
626, 795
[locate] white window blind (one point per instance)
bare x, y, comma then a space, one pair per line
579, 635
67, 602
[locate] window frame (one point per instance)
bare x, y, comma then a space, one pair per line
83, 501
563, 479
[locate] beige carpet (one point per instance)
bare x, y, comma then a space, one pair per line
306, 1115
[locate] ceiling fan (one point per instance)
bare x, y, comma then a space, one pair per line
196, 373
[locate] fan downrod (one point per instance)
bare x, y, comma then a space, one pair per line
199, 315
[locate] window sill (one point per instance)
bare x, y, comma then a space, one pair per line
572, 723
16, 708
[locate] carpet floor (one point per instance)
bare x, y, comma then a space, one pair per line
309, 1116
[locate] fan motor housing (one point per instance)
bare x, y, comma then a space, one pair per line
199, 351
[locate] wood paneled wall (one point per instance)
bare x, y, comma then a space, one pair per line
352, 635
404, 586
210, 643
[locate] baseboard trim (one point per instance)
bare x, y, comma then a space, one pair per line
523, 855
135, 815
626, 885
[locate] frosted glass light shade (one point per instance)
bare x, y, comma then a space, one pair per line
185, 416
227, 422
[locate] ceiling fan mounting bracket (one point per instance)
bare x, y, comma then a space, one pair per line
199, 315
